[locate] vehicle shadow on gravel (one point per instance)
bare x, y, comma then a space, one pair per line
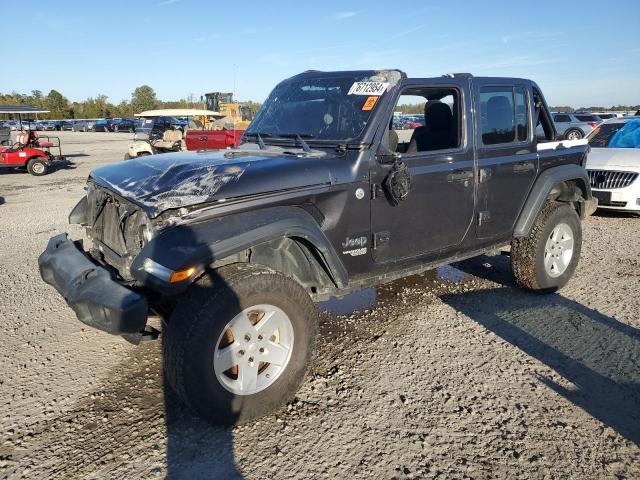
195, 448
599, 355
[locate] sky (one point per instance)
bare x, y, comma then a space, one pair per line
580, 53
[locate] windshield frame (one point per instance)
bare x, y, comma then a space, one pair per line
365, 136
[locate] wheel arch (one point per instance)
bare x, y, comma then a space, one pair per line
286, 239
565, 183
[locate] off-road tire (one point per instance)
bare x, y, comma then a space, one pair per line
197, 322
577, 133
527, 253
37, 167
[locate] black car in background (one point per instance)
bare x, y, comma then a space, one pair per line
66, 125
124, 125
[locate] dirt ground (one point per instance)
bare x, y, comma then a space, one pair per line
452, 374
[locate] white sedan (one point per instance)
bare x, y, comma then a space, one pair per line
614, 164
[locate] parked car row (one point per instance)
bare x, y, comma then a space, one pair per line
99, 125
106, 125
407, 122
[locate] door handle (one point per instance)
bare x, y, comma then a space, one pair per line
203, 138
523, 167
460, 175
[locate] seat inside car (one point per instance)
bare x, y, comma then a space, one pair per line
437, 132
499, 121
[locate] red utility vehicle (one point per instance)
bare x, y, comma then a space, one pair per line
212, 139
30, 149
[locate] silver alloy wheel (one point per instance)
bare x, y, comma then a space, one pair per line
574, 135
559, 250
253, 349
38, 168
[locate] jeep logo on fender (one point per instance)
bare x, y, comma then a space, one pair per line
354, 246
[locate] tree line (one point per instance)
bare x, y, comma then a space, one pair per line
142, 98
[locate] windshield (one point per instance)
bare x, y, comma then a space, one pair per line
319, 108
616, 135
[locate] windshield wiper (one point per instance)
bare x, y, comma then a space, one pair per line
298, 137
259, 136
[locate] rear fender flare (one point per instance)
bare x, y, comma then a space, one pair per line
550, 182
202, 243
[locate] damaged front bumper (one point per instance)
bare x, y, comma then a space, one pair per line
90, 290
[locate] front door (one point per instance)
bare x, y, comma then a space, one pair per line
438, 210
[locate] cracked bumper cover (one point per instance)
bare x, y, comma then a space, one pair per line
97, 299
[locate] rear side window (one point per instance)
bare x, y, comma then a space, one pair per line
504, 115
522, 115
561, 118
587, 118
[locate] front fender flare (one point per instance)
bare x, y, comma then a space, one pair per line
203, 242
545, 183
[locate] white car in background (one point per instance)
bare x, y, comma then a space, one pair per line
614, 164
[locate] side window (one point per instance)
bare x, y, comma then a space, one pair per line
426, 119
522, 114
561, 118
504, 114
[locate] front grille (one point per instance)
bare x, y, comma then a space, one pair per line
609, 179
114, 222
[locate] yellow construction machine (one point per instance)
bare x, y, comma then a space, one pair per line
234, 115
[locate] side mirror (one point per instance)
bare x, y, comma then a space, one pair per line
387, 157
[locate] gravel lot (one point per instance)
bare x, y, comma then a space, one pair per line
452, 374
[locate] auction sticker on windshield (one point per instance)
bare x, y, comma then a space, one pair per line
370, 103
368, 88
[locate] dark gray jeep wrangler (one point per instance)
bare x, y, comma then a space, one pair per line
230, 249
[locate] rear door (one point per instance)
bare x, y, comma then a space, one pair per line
507, 159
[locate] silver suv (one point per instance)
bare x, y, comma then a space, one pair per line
574, 126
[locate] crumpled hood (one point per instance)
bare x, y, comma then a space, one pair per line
173, 180
611, 158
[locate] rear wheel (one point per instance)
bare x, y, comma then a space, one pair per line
37, 166
573, 134
546, 259
238, 344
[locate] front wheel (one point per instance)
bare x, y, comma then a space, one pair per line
237, 346
545, 260
37, 167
